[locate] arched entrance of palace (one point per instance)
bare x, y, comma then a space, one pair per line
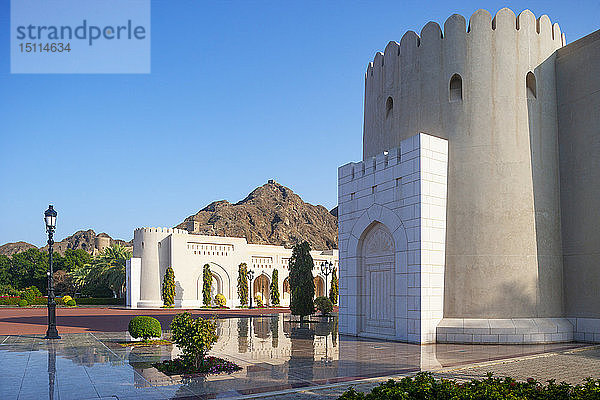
286, 291
319, 286
261, 285
377, 294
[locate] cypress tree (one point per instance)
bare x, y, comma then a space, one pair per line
302, 284
206, 285
334, 290
168, 288
275, 288
242, 284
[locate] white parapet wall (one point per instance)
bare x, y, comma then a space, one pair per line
133, 269
392, 229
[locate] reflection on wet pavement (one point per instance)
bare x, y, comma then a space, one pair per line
274, 352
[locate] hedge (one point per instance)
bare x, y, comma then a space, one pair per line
99, 301
424, 386
14, 301
42, 301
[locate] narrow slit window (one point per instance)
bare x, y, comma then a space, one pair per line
531, 86
456, 88
389, 107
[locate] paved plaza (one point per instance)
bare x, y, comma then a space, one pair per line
279, 359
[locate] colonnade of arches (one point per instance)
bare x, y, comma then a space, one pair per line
260, 285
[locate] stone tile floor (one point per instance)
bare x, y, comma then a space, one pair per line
279, 359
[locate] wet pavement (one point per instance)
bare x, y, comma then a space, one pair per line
275, 355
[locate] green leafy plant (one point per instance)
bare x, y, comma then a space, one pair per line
220, 300
65, 299
195, 337
99, 301
242, 284
29, 294
71, 303
324, 305
210, 365
105, 271
168, 287
144, 327
258, 300
206, 285
275, 288
23, 303
424, 386
302, 285
334, 290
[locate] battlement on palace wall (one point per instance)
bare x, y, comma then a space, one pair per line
386, 159
160, 230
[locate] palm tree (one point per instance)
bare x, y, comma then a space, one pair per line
107, 269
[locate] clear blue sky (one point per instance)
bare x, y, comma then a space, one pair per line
240, 92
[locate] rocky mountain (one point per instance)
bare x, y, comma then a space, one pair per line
86, 240
9, 249
270, 214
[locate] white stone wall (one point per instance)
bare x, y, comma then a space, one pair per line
404, 189
155, 249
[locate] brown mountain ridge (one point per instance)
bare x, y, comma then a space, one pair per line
270, 214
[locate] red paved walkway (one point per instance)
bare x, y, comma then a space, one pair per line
23, 321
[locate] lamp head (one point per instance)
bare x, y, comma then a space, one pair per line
50, 218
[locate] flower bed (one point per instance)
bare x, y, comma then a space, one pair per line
210, 365
146, 343
14, 301
424, 386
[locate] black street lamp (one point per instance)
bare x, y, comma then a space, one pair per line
250, 277
326, 269
50, 219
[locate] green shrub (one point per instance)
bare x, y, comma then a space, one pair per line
301, 281
65, 299
40, 301
275, 288
168, 288
35, 291
424, 386
242, 284
71, 303
100, 301
23, 303
258, 300
144, 327
206, 285
334, 289
195, 337
8, 290
30, 294
324, 305
220, 300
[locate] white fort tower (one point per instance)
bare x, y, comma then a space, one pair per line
477, 140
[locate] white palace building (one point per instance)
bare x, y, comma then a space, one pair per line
155, 249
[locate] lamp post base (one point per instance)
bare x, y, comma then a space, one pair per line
52, 334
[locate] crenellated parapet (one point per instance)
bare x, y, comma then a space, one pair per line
407, 87
161, 230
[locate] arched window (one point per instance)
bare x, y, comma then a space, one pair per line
456, 88
389, 106
531, 85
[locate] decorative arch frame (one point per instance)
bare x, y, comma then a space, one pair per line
377, 214
223, 276
268, 278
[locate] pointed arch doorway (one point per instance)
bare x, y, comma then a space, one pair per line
377, 294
